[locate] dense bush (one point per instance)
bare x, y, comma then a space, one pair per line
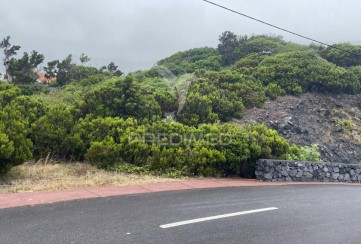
160, 146
118, 122
311, 153
233, 47
15, 130
51, 133
121, 98
72, 94
105, 153
220, 96
191, 60
8, 93
273, 91
6, 150
298, 69
30, 89
343, 54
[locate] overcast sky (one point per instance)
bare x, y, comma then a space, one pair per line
137, 33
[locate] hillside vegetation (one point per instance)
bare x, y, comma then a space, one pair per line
174, 118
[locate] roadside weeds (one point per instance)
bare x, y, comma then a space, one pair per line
52, 176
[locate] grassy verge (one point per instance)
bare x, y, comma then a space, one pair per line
33, 176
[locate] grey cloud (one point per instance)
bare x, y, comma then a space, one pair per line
137, 33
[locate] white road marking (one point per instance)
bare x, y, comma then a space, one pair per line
192, 221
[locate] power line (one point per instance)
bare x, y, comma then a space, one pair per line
275, 26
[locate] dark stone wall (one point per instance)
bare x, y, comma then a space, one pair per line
284, 170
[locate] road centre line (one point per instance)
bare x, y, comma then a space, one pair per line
192, 221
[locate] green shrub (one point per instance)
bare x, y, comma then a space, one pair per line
273, 91
16, 127
343, 54
179, 149
345, 124
51, 133
121, 98
105, 153
304, 69
34, 88
6, 150
305, 153
193, 59
8, 93
16, 116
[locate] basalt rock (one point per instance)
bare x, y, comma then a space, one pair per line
284, 170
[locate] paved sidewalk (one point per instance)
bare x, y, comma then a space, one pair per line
44, 197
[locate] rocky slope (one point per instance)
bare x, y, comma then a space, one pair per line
331, 121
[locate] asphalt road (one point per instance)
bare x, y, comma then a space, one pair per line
304, 214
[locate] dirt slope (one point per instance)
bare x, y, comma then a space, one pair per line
331, 121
